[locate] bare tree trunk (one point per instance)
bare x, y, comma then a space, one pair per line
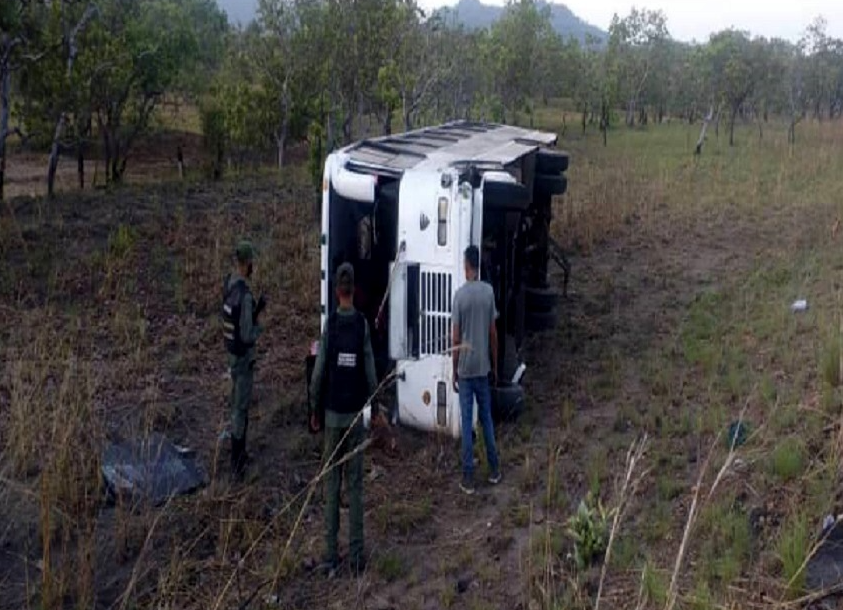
795, 119
281, 144
630, 113
61, 123
107, 148
732, 125
80, 166
5, 87
54, 154
604, 122
329, 131
347, 127
701, 141
180, 161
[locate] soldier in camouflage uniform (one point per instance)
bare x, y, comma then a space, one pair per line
344, 375
241, 331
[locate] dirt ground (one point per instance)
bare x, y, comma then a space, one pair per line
137, 306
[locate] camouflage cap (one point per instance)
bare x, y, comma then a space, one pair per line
245, 251
345, 277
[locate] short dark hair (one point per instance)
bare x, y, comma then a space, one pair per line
472, 257
345, 279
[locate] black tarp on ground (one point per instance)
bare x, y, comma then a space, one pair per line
825, 569
149, 470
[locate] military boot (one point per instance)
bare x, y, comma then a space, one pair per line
238, 462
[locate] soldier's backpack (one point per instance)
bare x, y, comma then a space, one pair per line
231, 309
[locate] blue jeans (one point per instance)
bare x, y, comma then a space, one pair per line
469, 389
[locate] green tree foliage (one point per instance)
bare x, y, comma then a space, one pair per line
735, 71
84, 75
20, 29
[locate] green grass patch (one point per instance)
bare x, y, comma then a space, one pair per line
726, 536
702, 331
404, 517
658, 524
787, 461
669, 488
792, 550
653, 585
830, 359
391, 566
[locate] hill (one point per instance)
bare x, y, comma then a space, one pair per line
471, 13
476, 15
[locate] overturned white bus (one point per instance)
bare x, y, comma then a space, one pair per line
403, 209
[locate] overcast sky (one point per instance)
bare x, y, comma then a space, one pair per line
696, 19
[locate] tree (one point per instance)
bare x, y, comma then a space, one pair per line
141, 49
19, 27
640, 42
734, 69
520, 39
69, 95
281, 69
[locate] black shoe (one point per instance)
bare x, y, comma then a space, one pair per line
467, 486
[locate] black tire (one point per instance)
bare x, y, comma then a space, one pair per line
541, 300
507, 402
550, 185
541, 322
552, 162
505, 196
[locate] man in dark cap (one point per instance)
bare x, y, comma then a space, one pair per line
241, 331
345, 373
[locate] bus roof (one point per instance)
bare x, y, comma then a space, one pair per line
449, 145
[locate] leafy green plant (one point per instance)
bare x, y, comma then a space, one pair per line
589, 528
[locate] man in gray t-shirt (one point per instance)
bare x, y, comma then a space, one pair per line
475, 356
